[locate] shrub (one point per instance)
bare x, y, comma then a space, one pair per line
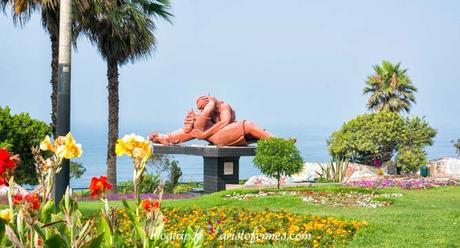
383, 135
168, 169
276, 157
334, 172
174, 175
149, 184
185, 187
19, 133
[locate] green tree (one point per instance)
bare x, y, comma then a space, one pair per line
367, 137
277, 157
383, 135
19, 133
417, 135
76, 170
457, 147
174, 176
390, 88
123, 31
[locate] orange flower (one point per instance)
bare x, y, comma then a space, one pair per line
99, 186
151, 205
33, 200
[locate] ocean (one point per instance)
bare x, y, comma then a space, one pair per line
311, 141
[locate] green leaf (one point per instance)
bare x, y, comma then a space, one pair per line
46, 211
95, 242
55, 241
2, 228
104, 227
134, 219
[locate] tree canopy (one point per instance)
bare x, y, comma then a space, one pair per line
383, 135
390, 88
278, 157
19, 133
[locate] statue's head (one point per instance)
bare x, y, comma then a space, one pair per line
201, 102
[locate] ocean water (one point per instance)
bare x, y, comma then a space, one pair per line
311, 142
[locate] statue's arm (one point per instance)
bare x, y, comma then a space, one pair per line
225, 119
207, 111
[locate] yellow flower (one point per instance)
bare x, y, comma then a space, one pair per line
134, 146
46, 145
69, 149
5, 214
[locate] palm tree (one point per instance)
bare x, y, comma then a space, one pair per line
123, 31
50, 21
390, 88
21, 9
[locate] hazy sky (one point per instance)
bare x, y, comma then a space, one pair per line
276, 62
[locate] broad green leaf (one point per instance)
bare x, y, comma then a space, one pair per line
55, 241
95, 242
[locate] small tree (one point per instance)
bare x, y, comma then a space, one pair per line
76, 170
276, 157
457, 146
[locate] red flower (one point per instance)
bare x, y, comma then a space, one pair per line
98, 186
6, 161
3, 181
165, 219
17, 198
150, 205
33, 200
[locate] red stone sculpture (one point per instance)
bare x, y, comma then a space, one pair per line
215, 122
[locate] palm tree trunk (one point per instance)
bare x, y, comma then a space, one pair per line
112, 75
54, 79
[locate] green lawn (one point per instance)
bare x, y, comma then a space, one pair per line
424, 218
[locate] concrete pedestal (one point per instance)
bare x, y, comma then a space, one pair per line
220, 164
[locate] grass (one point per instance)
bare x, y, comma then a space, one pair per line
423, 218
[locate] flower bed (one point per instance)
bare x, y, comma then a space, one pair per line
237, 227
351, 199
120, 196
247, 196
405, 183
337, 199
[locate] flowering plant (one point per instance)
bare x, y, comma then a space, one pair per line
64, 147
7, 165
147, 230
138, 148
406, 183
30, 220
236, 227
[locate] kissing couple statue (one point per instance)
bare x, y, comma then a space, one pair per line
216, 123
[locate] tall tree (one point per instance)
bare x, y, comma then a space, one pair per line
50, 21
123, 31
390, 88
21, 10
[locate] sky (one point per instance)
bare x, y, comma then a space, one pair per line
290, 62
